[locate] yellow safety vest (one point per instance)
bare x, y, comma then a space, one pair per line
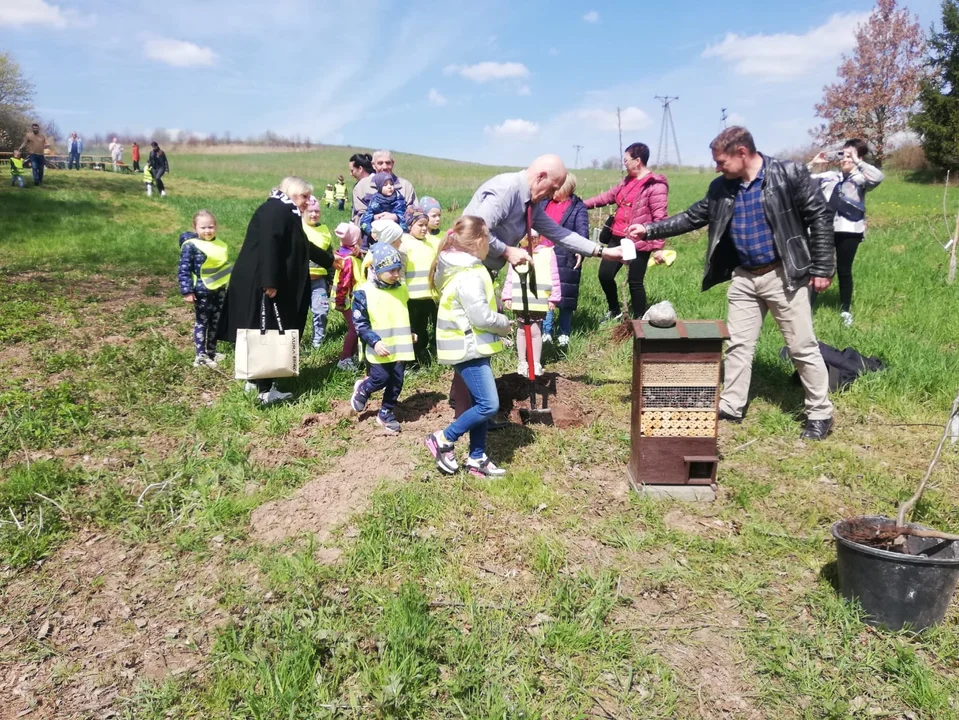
215, 270
419, 259
328, 195
434, 241
452, 327
340, 191
390, 319
357, 273
148, 175
542, 261
16, 166
321, 237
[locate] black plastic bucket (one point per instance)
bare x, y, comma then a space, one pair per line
898, 590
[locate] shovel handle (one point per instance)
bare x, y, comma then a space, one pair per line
528, 331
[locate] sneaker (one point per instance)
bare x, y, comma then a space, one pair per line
442, 452
250, 387
358, 400
218, 357
538, 370
483, 467
204, 361
846, 318
522, 368
347, 365
273, 396
547, 339
163, 193
563, 340
388, 422
612, 316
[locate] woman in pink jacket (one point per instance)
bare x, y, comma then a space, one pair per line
641, 197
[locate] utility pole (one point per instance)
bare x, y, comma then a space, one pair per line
668, 127
619, 124
578, 148
722, 119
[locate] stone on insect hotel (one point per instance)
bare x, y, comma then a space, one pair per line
675, 415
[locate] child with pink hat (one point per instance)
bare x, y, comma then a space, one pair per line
348, 277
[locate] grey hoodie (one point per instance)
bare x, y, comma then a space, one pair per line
470, 305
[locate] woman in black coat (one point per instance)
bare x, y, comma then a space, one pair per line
159, 166
569, 211
274, 260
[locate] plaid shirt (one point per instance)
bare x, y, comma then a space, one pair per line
749, 229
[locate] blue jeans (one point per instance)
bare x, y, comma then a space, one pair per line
478, 376
565, 326
17, 180
387, 377
74, 160
320, 305
36, 164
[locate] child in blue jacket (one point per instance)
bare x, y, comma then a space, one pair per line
386, 200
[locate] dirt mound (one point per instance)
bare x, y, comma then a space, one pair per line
560, 395
323, 503
120, 616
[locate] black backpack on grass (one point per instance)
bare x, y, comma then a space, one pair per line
844, 366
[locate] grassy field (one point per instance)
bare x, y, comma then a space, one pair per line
170, 550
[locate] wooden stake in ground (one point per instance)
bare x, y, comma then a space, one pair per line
952, 254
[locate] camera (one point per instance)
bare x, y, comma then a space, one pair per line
833, 155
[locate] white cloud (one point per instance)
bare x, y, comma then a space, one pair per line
486, 71
786, 56
20, 13
178, 53
734, 118
631, 117
436, 98
516, 127
523, 90
591, 17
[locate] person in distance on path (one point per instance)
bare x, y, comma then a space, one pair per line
771, 234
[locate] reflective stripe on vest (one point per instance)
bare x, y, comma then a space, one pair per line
450, 334
16, 166
319, 236
419, 259
215, 270
390, 319
544, 283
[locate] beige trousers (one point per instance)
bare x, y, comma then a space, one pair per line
750, 297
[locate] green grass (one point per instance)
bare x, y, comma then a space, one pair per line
548, 593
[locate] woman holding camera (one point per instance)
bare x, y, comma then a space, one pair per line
845, 190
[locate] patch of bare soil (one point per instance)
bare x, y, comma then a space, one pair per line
119, 616
563, 398
325, 502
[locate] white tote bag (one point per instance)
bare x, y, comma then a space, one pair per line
263, 354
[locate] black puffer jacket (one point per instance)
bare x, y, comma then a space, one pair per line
795, 209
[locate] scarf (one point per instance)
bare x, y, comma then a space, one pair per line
277, 194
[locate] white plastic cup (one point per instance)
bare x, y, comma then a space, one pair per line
629, 250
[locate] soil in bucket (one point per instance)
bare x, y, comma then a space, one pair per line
908, 584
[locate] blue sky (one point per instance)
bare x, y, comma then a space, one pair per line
493, 81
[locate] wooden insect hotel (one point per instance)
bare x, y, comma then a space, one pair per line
675, 413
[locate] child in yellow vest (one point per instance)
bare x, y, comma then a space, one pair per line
420, 252
468, 332
320, 236
148, 179
16, 169
434, 214
204, 274
382, 321
545, 300
345, 281
329, 195
339, 192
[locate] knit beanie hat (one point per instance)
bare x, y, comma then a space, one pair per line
429, 203
385, 258
385, 232
414, 213
379, 180
348, 233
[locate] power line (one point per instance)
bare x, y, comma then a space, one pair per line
578, 148
619, 124
668, 127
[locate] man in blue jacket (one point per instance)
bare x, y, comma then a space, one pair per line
74, 148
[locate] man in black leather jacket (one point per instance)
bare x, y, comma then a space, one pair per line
770, 232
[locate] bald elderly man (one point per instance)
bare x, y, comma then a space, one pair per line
502, 202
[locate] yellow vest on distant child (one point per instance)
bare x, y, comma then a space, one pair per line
328, 195
339, 191
390, 319
321, 237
